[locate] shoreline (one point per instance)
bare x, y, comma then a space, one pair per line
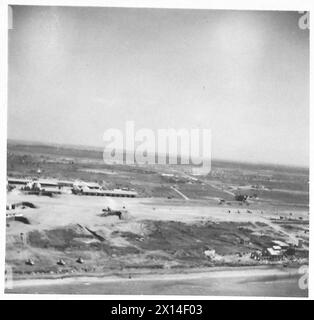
206, 273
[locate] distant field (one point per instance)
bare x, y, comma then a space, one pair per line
284, 185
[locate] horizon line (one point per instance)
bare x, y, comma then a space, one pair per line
99, 148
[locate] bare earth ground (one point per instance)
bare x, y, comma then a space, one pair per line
162, 235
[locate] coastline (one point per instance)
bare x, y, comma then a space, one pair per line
185, 274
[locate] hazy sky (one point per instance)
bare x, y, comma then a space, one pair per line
75, 72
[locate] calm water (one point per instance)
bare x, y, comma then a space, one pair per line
239, 286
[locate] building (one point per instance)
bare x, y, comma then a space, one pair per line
78, 187
65, 184
18, 181
281, 244
42, 182
272, 254
109, 193
93, 185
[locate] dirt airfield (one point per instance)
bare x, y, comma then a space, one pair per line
153, 234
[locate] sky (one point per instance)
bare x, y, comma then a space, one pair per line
76, 72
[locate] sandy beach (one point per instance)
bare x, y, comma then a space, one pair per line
221, 280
